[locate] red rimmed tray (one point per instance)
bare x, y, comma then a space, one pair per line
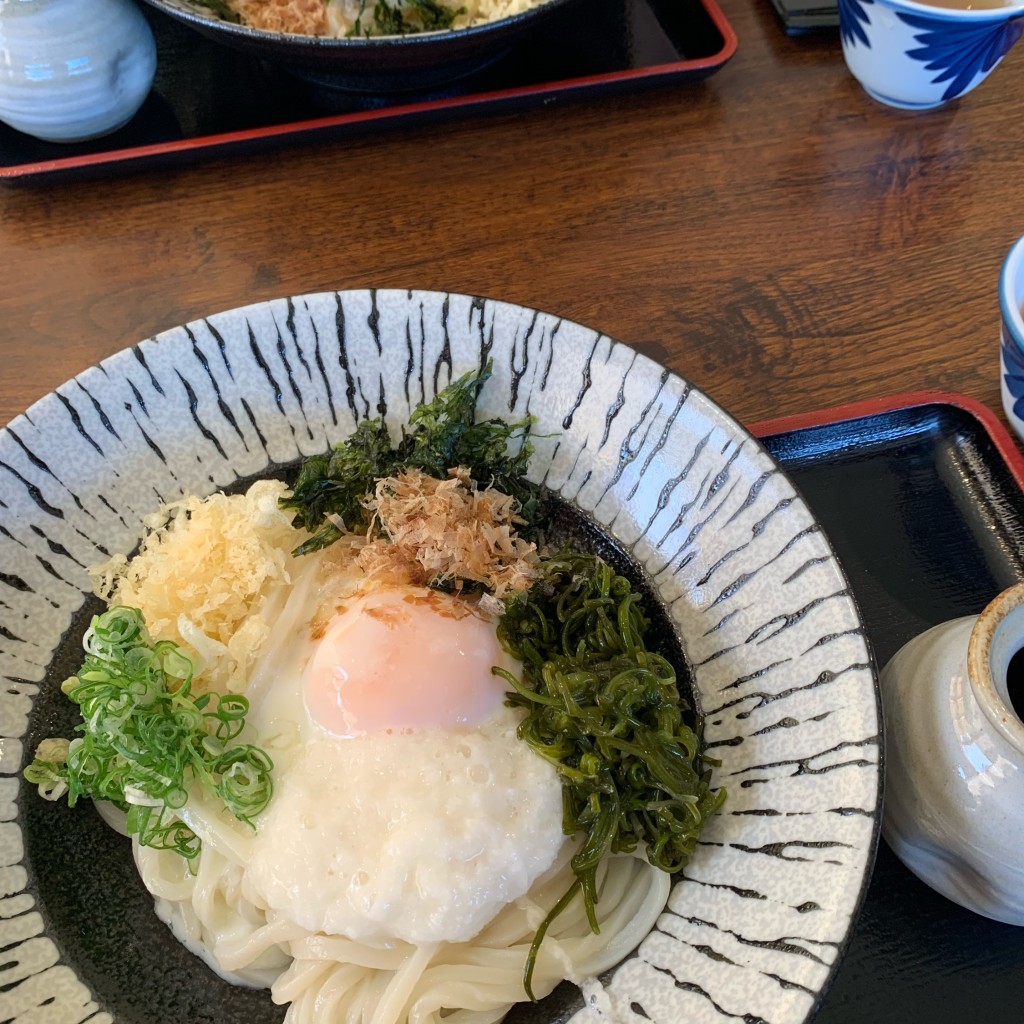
922, 497
209, 100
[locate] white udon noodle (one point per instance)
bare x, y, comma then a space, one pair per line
328, 978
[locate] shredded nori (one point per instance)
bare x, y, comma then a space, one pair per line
442, 434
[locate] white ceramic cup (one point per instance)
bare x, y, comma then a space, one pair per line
1011, 348
73, 69
915, 56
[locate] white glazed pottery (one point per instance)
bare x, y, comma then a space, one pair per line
954, 806
1011, 306
73, 69
915, 56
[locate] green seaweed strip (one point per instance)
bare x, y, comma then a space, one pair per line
607, 712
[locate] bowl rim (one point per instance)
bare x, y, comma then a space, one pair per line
978, 15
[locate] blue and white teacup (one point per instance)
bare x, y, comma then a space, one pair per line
920, 55
1011, 305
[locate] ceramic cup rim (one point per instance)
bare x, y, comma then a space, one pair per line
1010, 296
979, 666
961, 14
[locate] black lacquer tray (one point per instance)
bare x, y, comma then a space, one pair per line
210, 100
921, 496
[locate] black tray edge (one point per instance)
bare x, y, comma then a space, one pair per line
988, 421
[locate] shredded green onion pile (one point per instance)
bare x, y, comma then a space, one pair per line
145, 739
607, 713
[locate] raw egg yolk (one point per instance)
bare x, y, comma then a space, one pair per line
404, 659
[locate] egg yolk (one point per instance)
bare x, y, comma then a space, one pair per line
403, 659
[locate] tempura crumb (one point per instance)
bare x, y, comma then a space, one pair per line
205, 569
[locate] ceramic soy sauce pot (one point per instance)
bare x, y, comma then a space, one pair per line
954, 810
73, 69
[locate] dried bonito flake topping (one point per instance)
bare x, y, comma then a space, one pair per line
447, 531
306, 17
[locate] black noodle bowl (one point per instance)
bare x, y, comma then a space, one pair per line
378, 64
94, 903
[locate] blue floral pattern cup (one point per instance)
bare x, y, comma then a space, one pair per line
915, 56
1011, 301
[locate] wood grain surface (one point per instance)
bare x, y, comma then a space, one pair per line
770, 233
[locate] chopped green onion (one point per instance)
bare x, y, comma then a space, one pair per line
145, 740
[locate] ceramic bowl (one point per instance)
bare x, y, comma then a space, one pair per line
73, 69
1011, 307
954, 806
915, 56
734, 558
378, 64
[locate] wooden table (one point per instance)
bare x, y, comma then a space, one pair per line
770, 233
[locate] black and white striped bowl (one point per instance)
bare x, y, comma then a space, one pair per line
781, 666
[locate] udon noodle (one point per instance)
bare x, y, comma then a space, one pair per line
413, 772
332, 978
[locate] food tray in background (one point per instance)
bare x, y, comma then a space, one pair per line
800, 16
209, 100
921, 496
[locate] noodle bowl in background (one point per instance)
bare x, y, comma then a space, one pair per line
317, 49
341, 18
